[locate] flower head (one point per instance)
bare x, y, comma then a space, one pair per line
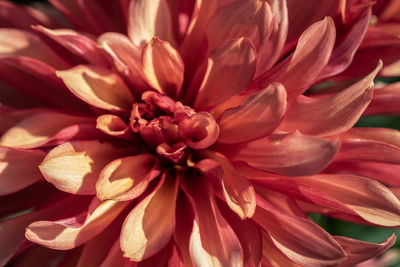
199, 134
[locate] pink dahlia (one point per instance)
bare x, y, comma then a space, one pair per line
189, 133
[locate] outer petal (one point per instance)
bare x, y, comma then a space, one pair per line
114, 126
368, 150
16, 42
18, 169
150, 225
271, 255
34, 131
346, 193
330, 115
272, 48
386, 100
359, 251
289, 154
238, 191
299, 239
250, 19
230, 68
385, 135
313, 50
149, 18
127, 178
21, 16
126, 57
249, 235
97, 86
257, 117
163, 67
78, 44
212, 241
70, 233
12, 230
75, 166
351, 34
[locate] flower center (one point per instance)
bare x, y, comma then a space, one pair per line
171, 129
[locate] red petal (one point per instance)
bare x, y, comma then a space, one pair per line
238, 191
230, 68
250, 19
75, 166
69, 233
150, 225
98, 87
289, 154
127, 58
212, 241
18, 169
359, 251
163, 67
127, 178
299, 239
149, 18
34, 131
272, 48
257, 117
333, 114
78, 44
16, 42
386, 100
313, 50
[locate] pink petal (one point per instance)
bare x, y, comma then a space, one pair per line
230, 68
115, 257
106, 10
377, 44
248, 234
73, 13
18, 169
70, 233
289, 154
333, 114
368, 150
299, 239
16, 42
272, 48
272, 256
127, 58
386, 100
18, 16
78, 44
313, 50
385, 173
212, 241
238, 192
359, 251
150, 225
74, 167
251, 19
163, 67
95, 251
34, 131
114, 126
368, 198
36, 83
385, 135
13, 229
149, 18
351, 34
257, 117
98, 87
127, 178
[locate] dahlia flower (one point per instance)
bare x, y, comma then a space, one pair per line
192, 133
